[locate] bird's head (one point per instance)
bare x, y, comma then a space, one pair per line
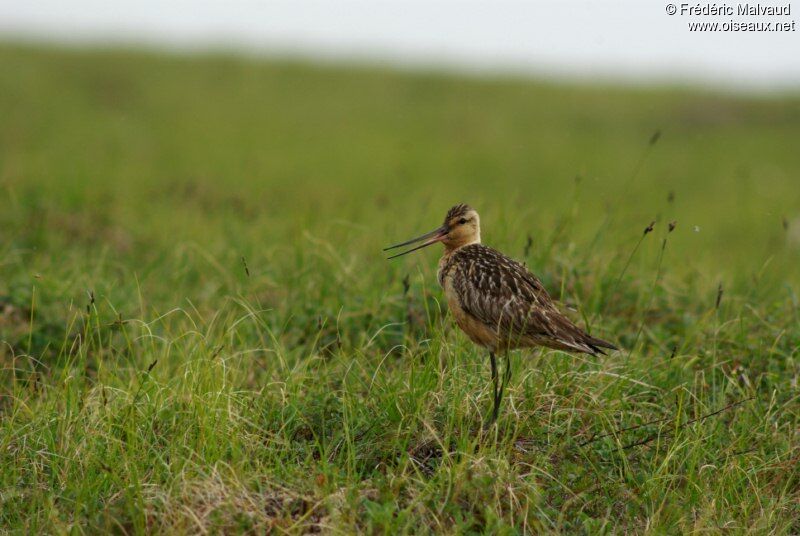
461, 226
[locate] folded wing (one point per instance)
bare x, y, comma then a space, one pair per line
506, 297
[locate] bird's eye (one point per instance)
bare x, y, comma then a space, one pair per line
462, 221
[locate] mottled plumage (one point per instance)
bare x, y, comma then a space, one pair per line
494, 299
510, 301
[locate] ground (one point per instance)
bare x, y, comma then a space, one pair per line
200, 332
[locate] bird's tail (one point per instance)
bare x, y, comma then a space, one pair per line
598, 345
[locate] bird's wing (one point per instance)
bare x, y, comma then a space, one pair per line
505, 296
499, 291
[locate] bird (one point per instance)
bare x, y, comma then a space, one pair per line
496, 301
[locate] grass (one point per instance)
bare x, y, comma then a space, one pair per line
200, 333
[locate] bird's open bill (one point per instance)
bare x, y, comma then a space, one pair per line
437, 235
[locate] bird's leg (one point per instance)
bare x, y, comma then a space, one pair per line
493, 362
498, 397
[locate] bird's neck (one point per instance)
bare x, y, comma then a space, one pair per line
445, 261
449, 249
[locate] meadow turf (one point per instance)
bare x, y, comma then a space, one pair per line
199, 331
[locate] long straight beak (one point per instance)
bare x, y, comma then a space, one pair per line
437, 235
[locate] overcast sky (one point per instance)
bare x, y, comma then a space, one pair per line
630, 39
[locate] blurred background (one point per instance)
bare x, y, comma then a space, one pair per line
132, 130
625, 40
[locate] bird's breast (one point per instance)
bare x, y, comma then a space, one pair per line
477, 331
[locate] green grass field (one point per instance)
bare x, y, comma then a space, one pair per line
200, 332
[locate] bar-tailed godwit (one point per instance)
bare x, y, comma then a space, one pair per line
495, 300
